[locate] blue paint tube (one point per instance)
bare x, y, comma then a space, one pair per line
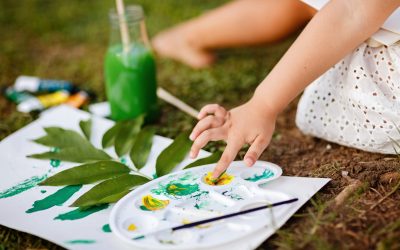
35, 84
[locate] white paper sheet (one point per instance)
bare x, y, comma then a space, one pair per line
87, 233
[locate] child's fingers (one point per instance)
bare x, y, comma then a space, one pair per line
212, 109
204, 124
230, 152
256, 149
214, 134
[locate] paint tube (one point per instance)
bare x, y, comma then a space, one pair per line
15, 96
43, 101
35, 84
78, 99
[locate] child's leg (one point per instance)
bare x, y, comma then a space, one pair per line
239, 23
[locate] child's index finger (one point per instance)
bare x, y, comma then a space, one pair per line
217, 179
229, 154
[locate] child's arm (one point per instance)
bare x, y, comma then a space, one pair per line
334, 32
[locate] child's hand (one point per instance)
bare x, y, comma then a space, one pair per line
248, 123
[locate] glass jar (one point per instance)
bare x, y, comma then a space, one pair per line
130, 70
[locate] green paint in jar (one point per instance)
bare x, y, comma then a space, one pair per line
130, 70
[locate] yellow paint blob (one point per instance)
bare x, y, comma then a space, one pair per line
132, 227
153, 204
186, 221
173, 187
222, 180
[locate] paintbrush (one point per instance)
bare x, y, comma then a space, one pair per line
196, 223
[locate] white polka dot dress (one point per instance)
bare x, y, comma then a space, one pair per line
357, 102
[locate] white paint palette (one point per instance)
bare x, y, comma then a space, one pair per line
185, 197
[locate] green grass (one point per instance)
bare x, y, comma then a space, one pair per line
68, 40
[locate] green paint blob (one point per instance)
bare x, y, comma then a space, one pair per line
144, 208
123, 160
23, 186
79, 214
183, 186
178, 189
106, 228
265, 175
43, 191
155, 176
56, 199
54, 162
80, 242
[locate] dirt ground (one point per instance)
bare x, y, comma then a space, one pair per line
369, 217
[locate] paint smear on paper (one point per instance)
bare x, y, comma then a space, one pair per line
80, 214
56, 199
23, 186
73, 242
222, 180
265, 175
153, 204
132, 227
183, 186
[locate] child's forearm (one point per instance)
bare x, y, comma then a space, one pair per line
333, 33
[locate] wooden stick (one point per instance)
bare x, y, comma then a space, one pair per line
386, 196
166, 96
123, 25
200, 222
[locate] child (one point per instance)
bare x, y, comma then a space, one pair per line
354, 98
238, 23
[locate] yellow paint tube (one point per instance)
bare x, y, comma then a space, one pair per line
43, 101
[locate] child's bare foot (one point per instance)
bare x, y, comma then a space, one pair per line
177, 44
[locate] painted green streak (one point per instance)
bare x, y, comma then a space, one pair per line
23, 186
81, 242
56, 199
106, 228
80, 214
265, 175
